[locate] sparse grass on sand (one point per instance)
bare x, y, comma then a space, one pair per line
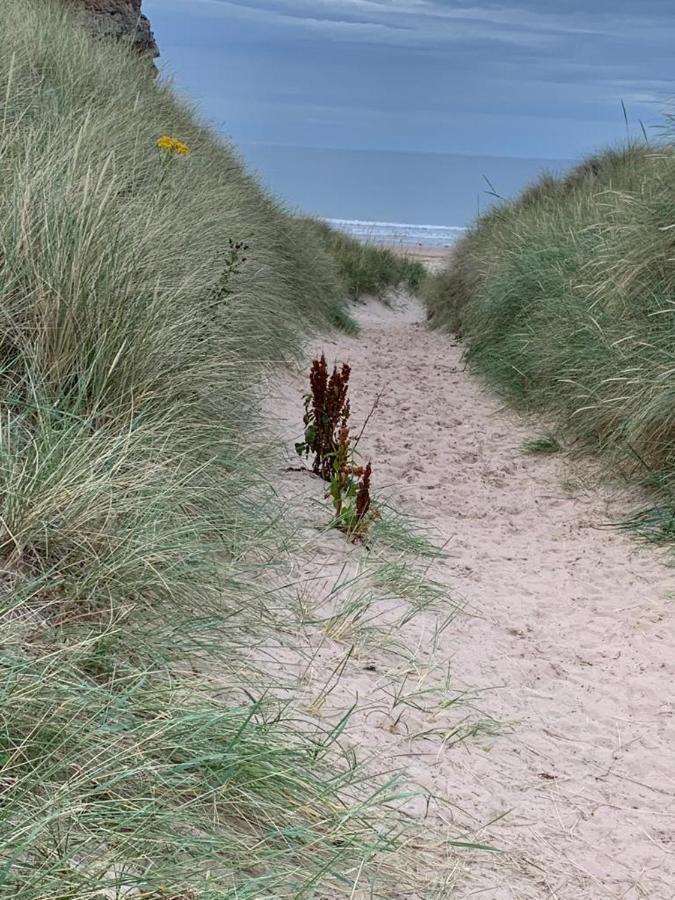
544, 443
565, 297
368, 269
130, 491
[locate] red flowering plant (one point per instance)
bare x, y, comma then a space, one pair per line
327, 438
326, 415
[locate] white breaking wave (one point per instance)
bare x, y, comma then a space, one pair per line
399, 232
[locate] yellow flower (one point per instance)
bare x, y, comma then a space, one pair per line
170, 144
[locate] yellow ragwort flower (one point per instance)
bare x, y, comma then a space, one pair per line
180, 148
170, 144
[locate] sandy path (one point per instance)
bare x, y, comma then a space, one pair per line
568, 632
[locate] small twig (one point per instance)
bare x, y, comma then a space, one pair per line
303, 469
376, 403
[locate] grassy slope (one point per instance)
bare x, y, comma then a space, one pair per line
368, 268
566, 297
125, 497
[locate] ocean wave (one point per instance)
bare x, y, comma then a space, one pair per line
399, 232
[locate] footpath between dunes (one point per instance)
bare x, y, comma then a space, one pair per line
565, 636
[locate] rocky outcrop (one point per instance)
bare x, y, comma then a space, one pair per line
120, 19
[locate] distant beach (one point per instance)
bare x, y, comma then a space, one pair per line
430, 244
400, 234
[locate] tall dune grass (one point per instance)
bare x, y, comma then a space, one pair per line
566, 297
137, 751
366, 268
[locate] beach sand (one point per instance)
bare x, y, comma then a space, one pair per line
434, 258
564, 642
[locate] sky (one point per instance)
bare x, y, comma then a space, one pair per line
530, 79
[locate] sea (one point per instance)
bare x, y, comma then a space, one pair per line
387, 196
399, 233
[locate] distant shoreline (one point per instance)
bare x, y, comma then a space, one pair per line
398, 234
402, 225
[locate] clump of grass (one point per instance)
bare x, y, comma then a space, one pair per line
368, 269
656, 524
137, 781
545, 443
340, 317
565, 298
135, 749
397, 532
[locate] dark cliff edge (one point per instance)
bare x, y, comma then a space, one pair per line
122, 19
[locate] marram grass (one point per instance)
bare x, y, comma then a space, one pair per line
137, 751
369, 269
566, 298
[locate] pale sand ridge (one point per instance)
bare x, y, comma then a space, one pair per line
567, 633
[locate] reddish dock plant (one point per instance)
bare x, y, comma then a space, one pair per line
328, 439
363, 499
326, 415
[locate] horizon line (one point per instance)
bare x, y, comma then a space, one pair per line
393, 224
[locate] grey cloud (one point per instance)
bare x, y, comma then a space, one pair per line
528, 77
438, 21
